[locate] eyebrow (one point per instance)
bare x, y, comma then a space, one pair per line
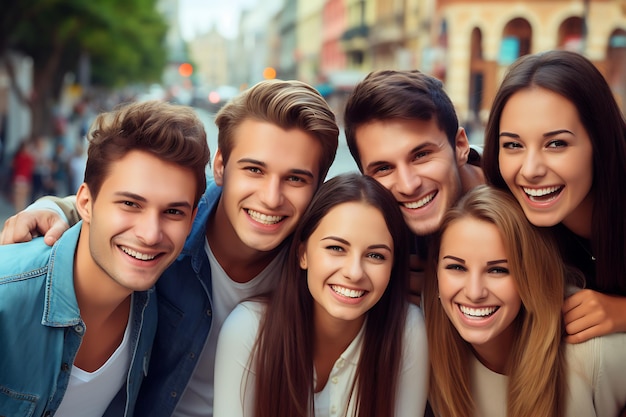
137, 197
345, 242
545, 135
454, 258
418, 148
264, 165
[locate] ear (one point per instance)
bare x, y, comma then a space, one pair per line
84, 202
218, 168
302, 256
461, 147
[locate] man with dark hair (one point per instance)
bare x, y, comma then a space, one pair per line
78, 319
402, 130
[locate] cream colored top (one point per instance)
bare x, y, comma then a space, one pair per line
596, 380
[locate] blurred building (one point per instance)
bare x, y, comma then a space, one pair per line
466, 43
209, 53
480, 39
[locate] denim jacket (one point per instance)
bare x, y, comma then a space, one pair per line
185, 317
41, 329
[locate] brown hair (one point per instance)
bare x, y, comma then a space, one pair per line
169, 132
536, 368
407, 95
287, 104
285, 344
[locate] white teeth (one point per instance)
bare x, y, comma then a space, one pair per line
137, 255
346, 292
420, 203
264, 218
477, 312
540, 192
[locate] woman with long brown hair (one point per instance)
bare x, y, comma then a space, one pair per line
337, 336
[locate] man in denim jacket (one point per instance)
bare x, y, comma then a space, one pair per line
276, 142
78, 319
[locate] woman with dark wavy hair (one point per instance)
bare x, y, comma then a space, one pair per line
556, 139
337, 336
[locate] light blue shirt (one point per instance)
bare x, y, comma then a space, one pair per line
41, 329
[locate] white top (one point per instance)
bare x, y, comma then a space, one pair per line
90, 393
197, 399
235, 377
596, 380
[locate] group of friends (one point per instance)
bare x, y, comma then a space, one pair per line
441, 280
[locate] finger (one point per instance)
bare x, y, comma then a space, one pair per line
586, 334
56, 230
16, 229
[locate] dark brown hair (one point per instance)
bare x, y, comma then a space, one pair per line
284, 350
407, 95
170, 132
574, 77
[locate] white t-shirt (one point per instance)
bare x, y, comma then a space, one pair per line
197, 399
90, 393
235, 376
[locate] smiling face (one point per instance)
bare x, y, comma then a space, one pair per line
476, 290
268, 181
133, 230
348, 259
545, 158
414, 160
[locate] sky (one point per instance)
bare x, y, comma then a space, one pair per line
198, 16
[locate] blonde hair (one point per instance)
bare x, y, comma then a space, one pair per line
536, 366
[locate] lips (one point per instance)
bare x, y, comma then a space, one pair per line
264, 218
347, 292
137, 255
544, 194
421, 202
477, 312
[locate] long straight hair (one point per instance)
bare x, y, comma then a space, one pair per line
283, 354
536, 366
574, 77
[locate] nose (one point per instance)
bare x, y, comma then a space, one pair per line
353, 267
407, 180
148, 228
533, 165
272, 194
475, 288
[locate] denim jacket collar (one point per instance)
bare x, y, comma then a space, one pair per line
61, 307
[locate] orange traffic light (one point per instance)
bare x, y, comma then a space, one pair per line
185, 69
269, 73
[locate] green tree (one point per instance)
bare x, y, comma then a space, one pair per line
124, 40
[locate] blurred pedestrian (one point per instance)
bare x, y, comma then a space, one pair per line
77, 167
60, 170
42, 176
22, 168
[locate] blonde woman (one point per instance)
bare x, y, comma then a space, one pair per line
494, 323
